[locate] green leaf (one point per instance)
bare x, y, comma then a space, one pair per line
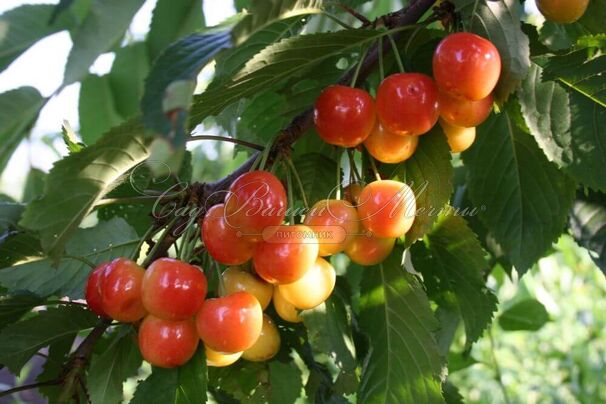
34, 184
523, 198
404, 363
18, 111
318, 175
96, 108
452, 262
78, 181
460, 361
286, 382
159, 387
127, 77
499, 21
527, 315
10, 212
104, 25
242, 380
588, 225
58, 354
23, 26
19, 247
108, 370
13, 307
451, 394
101, 243
20, 341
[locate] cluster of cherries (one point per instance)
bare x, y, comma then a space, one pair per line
466, 68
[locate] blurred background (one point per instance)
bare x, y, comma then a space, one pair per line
561, 361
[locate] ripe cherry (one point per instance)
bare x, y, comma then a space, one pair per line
238, 280
166, 343
173, 289
387, 147
369, 250
351, 193
285, 310
93, 290
219, 359
562, 11
334, 222
313, 288
121, 290
268, 344
466, 66
459, 139
387, 208
463, 112
286, 255
407, 103
344, 116
230, 324
223, 240
255, 201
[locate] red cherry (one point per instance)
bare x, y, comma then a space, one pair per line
223, 240
231, 323
166, 343
368, 250
344, 116
172, 289
93, 290
463, 112
387, 147
407, 103
467, 66
121, 290
286, 255
334, 222
255, 201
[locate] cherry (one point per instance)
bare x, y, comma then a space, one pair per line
219, 359
268, 344
230, 324
344, 116
351, 193
93, 290
369, 250
334, 222
238, 280
459, 139
286, 255
407, 103
462, 112
466, 66
285, 310
166, 343
313, 288
387, 147
173, 289
387, 208
223, 241
121, 290
562, 11
255, 201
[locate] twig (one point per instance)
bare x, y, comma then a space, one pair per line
194, 138
30, 386
497, 369
365, 21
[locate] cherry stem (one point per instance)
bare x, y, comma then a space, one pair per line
82, 260
338, 191
396, 53
151, 253
194, 138
222, 290
358, 67
352, 165
150, 232
337, 20
292, 167
381, 67
125, 201
265, 154
373, 166
291, 199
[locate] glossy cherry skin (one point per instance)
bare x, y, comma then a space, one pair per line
387, 208
268, 344
238, 280
462, 112
407, 103
335, 223
351, 193
562, 11
230, 324
219, 359
223, 240
344, 116
286, 255
466, 65
387, 147
93, 290
459, 138
121, 290
285, 309
368, 250
255, 201
313, 289
173, 289
166, 343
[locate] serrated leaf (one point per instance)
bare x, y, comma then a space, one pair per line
78, 181
451, 394
404, 363
526, 315
286, 382
58, 354
522, 197
20, 341
318, 176
101, 243
452, 262
240, 380
13, 307
96, 108
34, 185
588, 225
127, 77
103, 26
159, 387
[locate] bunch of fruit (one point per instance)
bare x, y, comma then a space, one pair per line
466, 68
